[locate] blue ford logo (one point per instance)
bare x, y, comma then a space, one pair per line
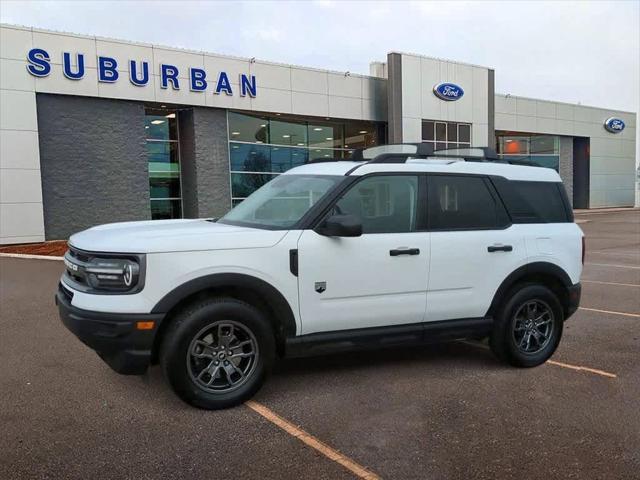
448, 91
614, 125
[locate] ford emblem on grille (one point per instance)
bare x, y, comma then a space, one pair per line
448, 91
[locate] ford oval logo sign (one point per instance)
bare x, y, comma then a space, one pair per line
614, 125
448, 91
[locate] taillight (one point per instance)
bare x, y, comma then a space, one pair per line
583, 250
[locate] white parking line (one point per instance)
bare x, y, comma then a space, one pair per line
626, 314
613, 265
611, 283
312, 441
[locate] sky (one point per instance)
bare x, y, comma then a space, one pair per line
579, 52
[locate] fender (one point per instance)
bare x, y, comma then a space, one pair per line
541, 268
268, 292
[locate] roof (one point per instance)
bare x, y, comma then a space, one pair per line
511, 172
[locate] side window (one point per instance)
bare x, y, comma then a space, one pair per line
384, 204
461, 202
535, 202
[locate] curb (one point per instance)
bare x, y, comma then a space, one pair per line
31, 257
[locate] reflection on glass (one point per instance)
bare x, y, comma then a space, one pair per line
549, 161
464, 133
160, 127
164, 186
428, 131
545, 144
316, 153
288, 133
248, 128
165, 209
244, 184
327, 135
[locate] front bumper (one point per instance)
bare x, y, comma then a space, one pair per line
114, 336
575, 292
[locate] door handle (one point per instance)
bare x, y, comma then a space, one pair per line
404, 251
500, 248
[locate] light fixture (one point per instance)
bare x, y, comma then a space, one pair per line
329, 138
235, 147
258, 141
235, 133
146, 126
346, 146
163, 106
253, 153
317, 129
263, 125
286, 136
326, 155
171, 115
157, 122
363, 131
301, 144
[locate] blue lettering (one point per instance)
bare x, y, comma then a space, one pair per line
107, 69
198, 82
169, 72
223, 84
66, 66
247, 85
39, 65
133, 73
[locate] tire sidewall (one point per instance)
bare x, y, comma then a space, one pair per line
507, 322
192, 321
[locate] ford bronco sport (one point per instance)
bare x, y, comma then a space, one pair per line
399, 245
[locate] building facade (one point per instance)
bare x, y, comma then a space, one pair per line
98, 130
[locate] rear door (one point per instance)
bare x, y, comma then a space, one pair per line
473, 246
377, 279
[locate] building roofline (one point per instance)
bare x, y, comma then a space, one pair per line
573, 104
440, 59
185, 50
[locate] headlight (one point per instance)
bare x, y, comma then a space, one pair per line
104, 273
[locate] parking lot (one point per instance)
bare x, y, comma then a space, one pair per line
436, 412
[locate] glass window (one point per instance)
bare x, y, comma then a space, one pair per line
441, 132
165, 209
541, 150
452, 132
427, 131
244, 184
384, 204
464, 133
273, 144
327, 135
360, 135
248, 128
288, 133
281, 202
458, 203
548, 161
533, 202
160, 125
545, 144
163, 157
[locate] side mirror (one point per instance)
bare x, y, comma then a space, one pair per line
340, 226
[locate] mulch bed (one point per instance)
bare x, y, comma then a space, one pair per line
55, 248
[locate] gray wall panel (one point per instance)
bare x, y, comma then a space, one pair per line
566, 165
93, 161
205, 162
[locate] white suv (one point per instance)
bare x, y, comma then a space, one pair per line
400, 245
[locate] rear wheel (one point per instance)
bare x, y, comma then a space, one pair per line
528, 326
217, 353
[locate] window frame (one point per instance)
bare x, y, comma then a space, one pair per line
501, 210
318, 215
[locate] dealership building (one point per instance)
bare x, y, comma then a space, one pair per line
96, 130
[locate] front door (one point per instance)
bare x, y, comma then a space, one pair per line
377, 279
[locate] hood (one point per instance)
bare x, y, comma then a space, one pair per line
156, 236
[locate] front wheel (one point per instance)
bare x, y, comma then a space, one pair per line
528, 326
217, 353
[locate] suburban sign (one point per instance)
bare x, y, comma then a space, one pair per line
448, 91
614, 125
73, 68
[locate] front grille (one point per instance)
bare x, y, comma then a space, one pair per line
65, 293
74, 263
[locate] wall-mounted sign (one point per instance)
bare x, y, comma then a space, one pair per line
448, 91
39, 65
614, 125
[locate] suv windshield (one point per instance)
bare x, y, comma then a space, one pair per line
281, 202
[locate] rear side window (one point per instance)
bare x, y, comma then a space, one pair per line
534, 202
463, 203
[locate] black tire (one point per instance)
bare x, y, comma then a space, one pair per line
512, 324
183, 356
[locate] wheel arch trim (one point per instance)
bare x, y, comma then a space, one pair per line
535, 268
272, 296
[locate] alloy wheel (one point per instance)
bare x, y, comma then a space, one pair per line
533, 326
